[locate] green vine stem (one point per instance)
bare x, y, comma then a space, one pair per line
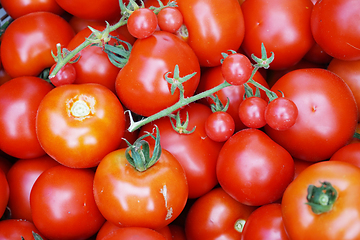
321, 199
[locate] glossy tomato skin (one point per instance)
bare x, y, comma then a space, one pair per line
196, 152
19, 101
216, 215
280, 25
334, 27
151, 58
129, 233
5, 192
265, 223
75, 138
324, 124
349, 153
27, 43
209, 30
62, 198
21, 177
220, 126
142, 23
19, 8
130, 198
12, 229
300, 221
253, 169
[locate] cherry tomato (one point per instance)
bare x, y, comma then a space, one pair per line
11, 229
129, 233
216, 215
78, 124
142, 23
254, 169
170, 19
219, 126
28, 41
19, 100
5, 191
66, 75
349, 153
236, 69
281, 113
252, 112
62, 204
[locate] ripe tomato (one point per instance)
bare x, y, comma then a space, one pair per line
19, 102
78, 124
323, 125
281, 113
252, 112
349, 153
334, 27
151, 58
18, 8
130, 233
170, 19
5, 191
21, 177
344, 215
280, 25
196, 152
62, 204
142, 23
28, 41
66, 75
216, 215
130, 198
236, 69
209, 30
11, 229
253, 169
265, 223
219, 126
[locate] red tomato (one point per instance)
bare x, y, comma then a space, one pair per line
317, 55
196, 152
344, 214
335, 29
62, 204
280, 25
349, 153
265, 223
5, 191
236, 69
28, 41
150, 59
209, 28
130, 233
216, 215
170, 19
253, 169
18, 8
21, 177
66, 75
78, 124
177, 232
281, 113
130, 198
252, 112
142, 23
219, 126
12, 229
19, 102
300, 166
323, 125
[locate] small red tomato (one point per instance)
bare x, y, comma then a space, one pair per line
170, 19
236, 69
281, 113
252, 112
219, 126
142, 23
66, 75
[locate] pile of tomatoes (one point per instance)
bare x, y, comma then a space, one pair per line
129, 140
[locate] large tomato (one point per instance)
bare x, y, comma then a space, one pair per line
334, 24
78, 124
254, 169
62, 204
280, 25
349, 153
327, 114
141, 85
340, 213
11, 229
213, 27
28, 41
130, 198
130, 233
19, 101
5, 191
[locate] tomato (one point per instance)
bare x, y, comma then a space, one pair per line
5, 191
78, 125
170, 19
317, 55
219, 126
265, 223
4, 76
62, 204
12, 229
151, 58
343, 216
177, 232
19, 101
129, 233
66, 75
300, 165
252, 112
216, 215
236, 69
21, 177
209, 31
349, 153
349, 71
142, 23
334, 27
196, 152
281, 113
323, 125
92, 9
129, 198
253, 169
280, 25
28, 41
18, 8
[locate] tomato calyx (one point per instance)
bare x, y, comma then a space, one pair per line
177, 82
218, 106
138, 153
181, 127
264, 61
321, 199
